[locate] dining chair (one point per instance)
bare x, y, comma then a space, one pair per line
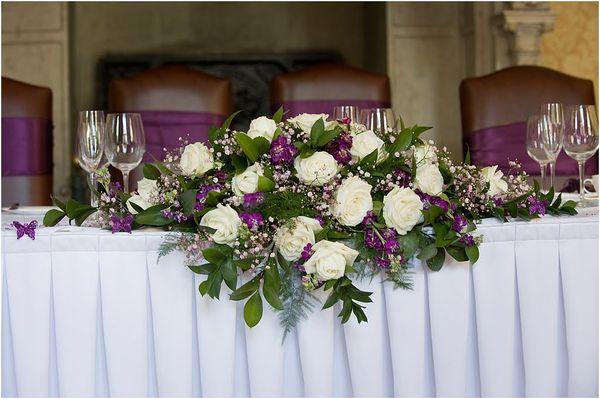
26, 143
174, 101
319, 88
495, 108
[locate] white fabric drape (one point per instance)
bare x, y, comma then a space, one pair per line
89, 313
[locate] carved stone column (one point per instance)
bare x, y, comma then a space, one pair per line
527, 21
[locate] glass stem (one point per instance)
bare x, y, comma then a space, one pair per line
543, 176
552, 172
92, 180
126, 181
581, 192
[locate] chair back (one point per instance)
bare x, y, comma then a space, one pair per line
495, 108
26, 143
319, 88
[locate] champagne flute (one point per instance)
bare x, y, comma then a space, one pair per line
349, 112
378, 119
581, 139
553, 134
89, 146
125, 143
535, 143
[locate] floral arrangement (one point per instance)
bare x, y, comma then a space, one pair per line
306, 203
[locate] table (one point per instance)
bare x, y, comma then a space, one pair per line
87, 313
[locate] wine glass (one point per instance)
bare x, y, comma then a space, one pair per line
378, 119
89, 146
342, 112
125, 143
535, 143
581, 139
553, 134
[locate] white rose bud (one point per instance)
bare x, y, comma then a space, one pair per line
247, 181
429, 179
494, 177
139, 201
425, 153
402, 209
292, 237
225, 221
317, 169
352, 201
196, 160
330, 259
306, 121
148, 190
365, 143
262, 127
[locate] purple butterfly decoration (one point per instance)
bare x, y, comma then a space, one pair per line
121, 224
28, 228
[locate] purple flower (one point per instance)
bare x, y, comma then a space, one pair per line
497, 201
537, 206
282, 151
382, 262
340, 148
320, 219
391, 246
113, 187
306, 252
252, 220
221, 175
372, 240
402, 177
369, 218
121, 224
203, 193
467, 240
453, 206
459, 223
177, 216
429, 200
253, 199
346, 120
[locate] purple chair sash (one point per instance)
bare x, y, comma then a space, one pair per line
163, 129
294, 108
496, 145
26, 146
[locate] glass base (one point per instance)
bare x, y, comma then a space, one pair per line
587, 203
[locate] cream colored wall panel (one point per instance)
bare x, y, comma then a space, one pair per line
32, 17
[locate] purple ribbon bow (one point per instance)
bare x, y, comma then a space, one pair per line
28, 228
121, 224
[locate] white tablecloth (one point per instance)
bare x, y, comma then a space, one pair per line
87, 313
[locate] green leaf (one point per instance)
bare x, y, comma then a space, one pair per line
239, 163
377, 207
316, 131
152, 217
265, 184
458, 253
248, 146
188, 201
410, 243
327, 136
59, 203
228, 121
213, 255
472, 253
306, 152
262, 145
245, 290
468, 156
437, 261
272, 297
428, 252
253, 310
151, 172
403, 140
78, 211
370, 159
278, 115
206, 268
229, 273
203, 287
331, 299
84, 215
52, 217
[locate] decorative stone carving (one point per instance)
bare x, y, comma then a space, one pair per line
527, 21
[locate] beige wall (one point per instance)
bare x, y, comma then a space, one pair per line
210, 28
572, 46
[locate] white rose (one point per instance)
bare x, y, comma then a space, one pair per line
365, 143
330, 259
317, 169
493, 176
306, 121
139, 201
291, 238
352, 201
148, 190
429, 179
196, 159
247, 181
402, 209
425, 153
225, 221
262, 127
